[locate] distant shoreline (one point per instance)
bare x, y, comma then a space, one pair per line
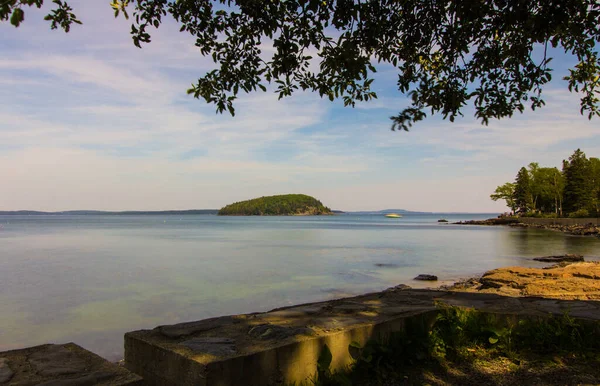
204, 212
101, 213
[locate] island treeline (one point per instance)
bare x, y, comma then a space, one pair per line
573, 191
287, 204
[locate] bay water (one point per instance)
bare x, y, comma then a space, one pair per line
91, 278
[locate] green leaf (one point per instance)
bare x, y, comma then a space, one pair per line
17, 17
493, 340
325, 359
355, 344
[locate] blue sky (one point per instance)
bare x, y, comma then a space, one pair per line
88, 121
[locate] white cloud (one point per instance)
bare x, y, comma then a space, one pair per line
89, 121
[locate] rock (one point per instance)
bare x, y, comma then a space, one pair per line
560, 258
463, 284
425, 277
399, 287
442, 220
212, 345
5, 372
490, 221
571, 281
61, 365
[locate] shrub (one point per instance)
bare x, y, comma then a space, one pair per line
579, 213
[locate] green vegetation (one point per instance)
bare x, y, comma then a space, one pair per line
447, 54
549, 192
469, 347
287, 204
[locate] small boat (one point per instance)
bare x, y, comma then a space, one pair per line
393, 215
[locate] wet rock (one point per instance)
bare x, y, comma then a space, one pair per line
442, 220
560, 258
386, 265
5, 371
579, 230
425, 277
399, 287
490, 221
273, 331
212, 345
463, 284
57, 360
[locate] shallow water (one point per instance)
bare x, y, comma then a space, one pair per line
89, 279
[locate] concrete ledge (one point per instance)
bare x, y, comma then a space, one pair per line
61, 365
283, 346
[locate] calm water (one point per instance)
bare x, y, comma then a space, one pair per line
89, 279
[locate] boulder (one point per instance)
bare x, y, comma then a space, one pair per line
560, 258
426, 277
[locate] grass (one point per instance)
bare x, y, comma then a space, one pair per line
469, 347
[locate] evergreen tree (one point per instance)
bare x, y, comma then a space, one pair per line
523, 197
579, 184
595, 183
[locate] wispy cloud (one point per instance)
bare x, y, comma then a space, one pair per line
89, 121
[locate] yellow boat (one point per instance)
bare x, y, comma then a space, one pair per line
393, 215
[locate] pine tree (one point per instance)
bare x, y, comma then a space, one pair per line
523, 196
579, 184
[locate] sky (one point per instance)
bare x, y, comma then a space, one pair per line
89, 121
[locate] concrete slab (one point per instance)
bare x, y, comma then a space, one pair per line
283, 346
61, 365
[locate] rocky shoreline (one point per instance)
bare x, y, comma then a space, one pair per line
490, 221
564, 280
577, 229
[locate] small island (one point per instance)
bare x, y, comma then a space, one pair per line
282, 205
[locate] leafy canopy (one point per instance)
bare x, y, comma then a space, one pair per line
448, 54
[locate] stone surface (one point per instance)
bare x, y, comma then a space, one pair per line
215, 346
183, 329
426, 277
57, 360
63, 365
571, 281
6, 372
272, 331
560, 258
300, 334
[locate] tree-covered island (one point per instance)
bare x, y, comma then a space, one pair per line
282, 205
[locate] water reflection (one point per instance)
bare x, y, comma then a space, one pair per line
92, 278
524, 242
